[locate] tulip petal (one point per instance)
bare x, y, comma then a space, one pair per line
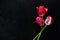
39, 21
48, 20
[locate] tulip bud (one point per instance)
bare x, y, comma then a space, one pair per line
41, 10
48, 20
39, 21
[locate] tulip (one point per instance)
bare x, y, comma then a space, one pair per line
41, 10
39, 21
49, 20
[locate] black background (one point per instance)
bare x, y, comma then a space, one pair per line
7, 20
27, 14
17, 16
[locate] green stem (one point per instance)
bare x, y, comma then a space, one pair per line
43, 20
39, 35
36, 36
41, 32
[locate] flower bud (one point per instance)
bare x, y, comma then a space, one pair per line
41, 10
49, 20
39, 21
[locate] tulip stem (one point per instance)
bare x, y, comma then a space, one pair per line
41, 32
36, 36
42, 18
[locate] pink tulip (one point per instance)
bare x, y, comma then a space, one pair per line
39, 21
49, 20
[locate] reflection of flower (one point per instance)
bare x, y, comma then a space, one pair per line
41, 10
39, 21
48, 20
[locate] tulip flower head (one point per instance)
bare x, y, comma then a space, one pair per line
41, 10
39, 21
48, 20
